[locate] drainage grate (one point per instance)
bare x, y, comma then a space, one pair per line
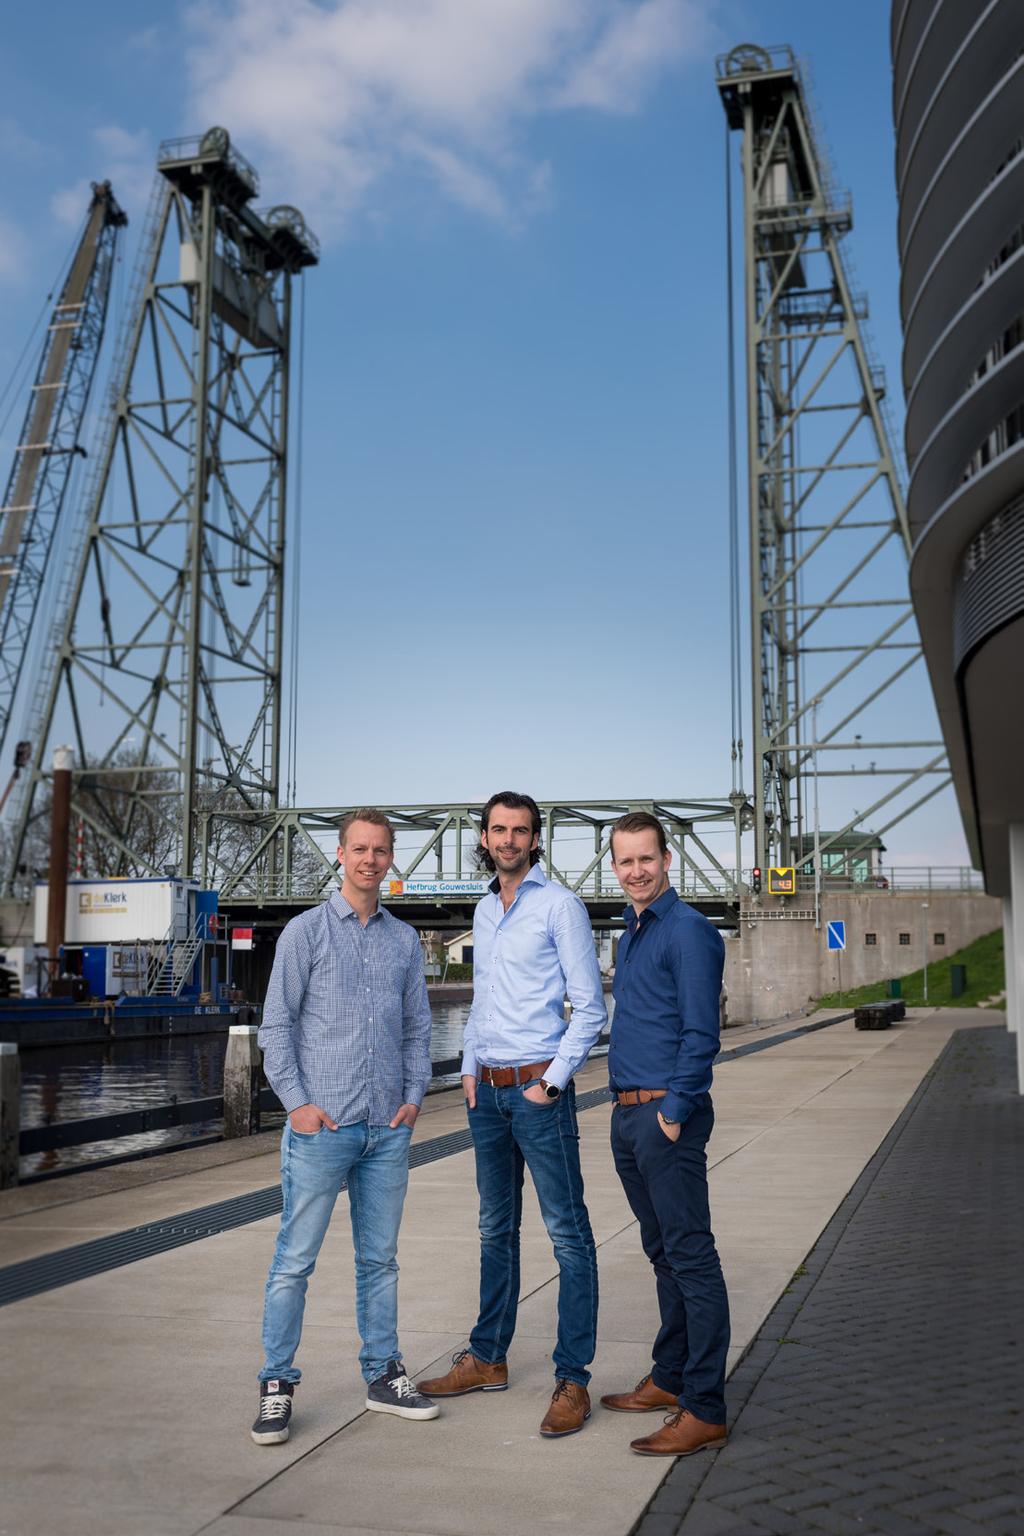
51, 1270
753, 1046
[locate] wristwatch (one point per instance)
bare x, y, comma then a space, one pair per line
666, 1121
550, 1089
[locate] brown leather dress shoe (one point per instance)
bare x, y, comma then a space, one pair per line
568, 1411
644, 1398
468, 1374
681, 1435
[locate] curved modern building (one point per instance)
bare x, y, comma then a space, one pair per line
958, 104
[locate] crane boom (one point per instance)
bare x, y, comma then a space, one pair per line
49, 441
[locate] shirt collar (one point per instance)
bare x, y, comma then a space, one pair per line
345, 908
534, 874
665, 902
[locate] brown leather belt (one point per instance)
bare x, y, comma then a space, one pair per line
640, 1095
506, 1077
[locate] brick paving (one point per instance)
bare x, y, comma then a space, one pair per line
885, 1391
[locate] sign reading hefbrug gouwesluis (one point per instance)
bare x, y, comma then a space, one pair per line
437, 887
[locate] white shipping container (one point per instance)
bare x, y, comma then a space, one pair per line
119, 911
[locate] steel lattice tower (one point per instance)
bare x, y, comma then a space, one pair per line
831, 619
51, 438
166, 667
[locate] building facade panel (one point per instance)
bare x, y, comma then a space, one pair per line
959, 114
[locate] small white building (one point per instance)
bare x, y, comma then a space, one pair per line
460, 948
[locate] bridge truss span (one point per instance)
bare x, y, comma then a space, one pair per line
287, 859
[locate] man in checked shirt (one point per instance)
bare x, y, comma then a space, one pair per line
346, 1048
532, 947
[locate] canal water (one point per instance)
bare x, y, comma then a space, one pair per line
78, 1081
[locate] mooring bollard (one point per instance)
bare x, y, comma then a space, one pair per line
10, 1113
242, 1082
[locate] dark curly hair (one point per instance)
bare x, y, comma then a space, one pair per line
515, 803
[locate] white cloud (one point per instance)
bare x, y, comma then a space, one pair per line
329, 96
640, 42
124, 159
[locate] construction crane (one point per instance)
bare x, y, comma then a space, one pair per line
50, 439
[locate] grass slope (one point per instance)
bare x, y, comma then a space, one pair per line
985, 977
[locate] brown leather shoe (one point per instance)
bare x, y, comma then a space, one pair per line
468, 1374
681, 1435
568, 1411
644, 1398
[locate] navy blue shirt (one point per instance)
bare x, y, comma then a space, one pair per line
668, 981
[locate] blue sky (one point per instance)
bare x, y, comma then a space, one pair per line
514, 533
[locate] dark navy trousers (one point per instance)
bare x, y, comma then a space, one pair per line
666, 1184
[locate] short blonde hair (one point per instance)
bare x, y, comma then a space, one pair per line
365, 813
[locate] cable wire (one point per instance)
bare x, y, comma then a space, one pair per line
735, 663
292, 746
14, 384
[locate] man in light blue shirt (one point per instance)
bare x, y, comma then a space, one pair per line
346, 1048
532, 948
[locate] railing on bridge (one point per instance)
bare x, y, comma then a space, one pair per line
701, 886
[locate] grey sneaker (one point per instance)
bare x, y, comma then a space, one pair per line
274, 1417
394, 1393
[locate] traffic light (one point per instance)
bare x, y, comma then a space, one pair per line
755, 881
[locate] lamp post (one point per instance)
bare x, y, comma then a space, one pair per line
924, 944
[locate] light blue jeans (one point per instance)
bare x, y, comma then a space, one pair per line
374, 1160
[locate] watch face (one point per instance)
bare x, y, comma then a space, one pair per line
552, 1092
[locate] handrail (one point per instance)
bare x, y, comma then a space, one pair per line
162, 1117
709, 884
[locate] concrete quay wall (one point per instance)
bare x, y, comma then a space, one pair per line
776, 966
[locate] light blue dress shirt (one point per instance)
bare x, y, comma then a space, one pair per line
526, 961
346, 1021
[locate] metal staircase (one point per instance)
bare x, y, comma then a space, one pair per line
170, 962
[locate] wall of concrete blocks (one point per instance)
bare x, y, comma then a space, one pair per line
776, 966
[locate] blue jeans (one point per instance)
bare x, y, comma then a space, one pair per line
666, 1184
375, 1161
508, 1133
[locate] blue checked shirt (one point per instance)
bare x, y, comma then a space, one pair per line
346, 1022
526, 961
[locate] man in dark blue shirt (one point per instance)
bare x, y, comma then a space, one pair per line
664, 1038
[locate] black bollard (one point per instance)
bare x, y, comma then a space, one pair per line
10, 1113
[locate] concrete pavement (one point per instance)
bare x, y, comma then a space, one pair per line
135, 1388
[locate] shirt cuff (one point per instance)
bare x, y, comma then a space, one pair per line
674, 1107
558, 1074
469, 1066
292, 1097
413, 1095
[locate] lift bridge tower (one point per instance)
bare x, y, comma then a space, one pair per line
165, 667
831, 620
